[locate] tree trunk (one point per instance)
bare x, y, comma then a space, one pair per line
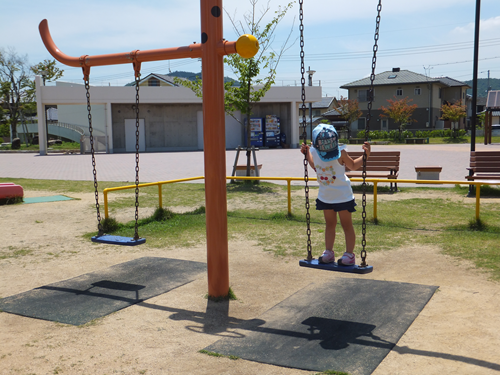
249, 144
13, 128
249, 141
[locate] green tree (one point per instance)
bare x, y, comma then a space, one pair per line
349, 109
400, 111
4, 125
480, 120
453, 112
17, 87
48, 70
255, 75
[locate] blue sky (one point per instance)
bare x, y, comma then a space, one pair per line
433, 37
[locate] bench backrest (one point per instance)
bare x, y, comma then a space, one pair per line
380, 160
485, 161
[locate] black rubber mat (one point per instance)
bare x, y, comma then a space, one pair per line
94, 295
346, 325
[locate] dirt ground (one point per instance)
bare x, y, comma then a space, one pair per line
456, 333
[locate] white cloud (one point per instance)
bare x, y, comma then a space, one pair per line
489, 28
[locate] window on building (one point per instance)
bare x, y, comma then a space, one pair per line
399, 92
316, 112
384, 124
363, 95
153, 82
361, 123
418, 91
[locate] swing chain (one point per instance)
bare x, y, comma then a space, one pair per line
91, 137
367, 130
304, 132
137, 79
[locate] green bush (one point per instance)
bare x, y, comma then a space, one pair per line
437, 133
360, 134
5, 129
393, 134
407, 134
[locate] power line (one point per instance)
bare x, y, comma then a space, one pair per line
437, 48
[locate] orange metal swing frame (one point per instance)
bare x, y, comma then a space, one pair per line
211, 50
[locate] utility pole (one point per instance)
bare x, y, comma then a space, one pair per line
474, 85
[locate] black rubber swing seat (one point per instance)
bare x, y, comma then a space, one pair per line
118, 240
314, 263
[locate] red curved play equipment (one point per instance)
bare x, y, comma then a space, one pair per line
211, 50
9, 190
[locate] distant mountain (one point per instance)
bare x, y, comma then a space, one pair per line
193, 76
482, 86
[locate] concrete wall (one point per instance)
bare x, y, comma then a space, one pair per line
167, 126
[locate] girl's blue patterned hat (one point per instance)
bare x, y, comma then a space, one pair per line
326, 142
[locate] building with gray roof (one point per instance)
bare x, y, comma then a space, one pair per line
429, 93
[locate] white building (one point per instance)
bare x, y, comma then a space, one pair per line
170, 117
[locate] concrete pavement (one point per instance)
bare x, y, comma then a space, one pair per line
454, 159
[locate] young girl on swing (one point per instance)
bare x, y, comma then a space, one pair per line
335, 195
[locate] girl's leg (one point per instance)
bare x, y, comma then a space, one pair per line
331, 224
350, 235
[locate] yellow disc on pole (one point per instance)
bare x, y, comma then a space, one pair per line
247, 46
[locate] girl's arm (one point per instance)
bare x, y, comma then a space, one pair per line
354, 164
305, 150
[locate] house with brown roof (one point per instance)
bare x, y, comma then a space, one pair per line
428, 93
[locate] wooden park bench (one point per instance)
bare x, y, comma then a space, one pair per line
484, 165
380, 164
416, 140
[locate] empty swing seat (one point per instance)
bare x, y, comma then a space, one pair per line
118, 240
314, 263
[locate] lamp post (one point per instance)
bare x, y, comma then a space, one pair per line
44, 75
310, 75
46, 128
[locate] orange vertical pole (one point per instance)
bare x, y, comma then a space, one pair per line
215, 148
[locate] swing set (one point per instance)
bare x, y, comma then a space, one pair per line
310, 261
211, 50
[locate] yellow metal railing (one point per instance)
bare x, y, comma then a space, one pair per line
375, 182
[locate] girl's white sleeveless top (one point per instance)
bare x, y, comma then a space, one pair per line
334, 185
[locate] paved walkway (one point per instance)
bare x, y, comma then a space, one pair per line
175, 165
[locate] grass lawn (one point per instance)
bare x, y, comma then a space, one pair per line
66, 146
258, 212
